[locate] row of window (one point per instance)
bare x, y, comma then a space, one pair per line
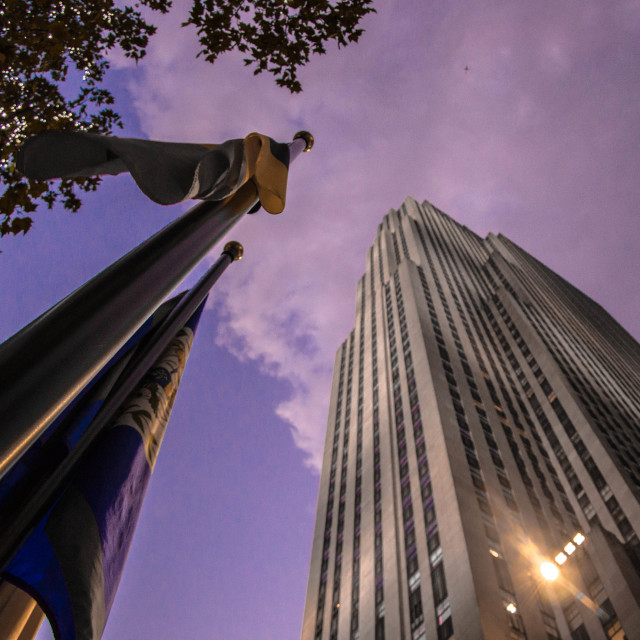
606, 613
355, 575
619, 430
500, 567
605, 492
482, 416
609, 621
559, 529
478, 275
438, 582
587, 342
475, 472
415, 609
378, 565
616, 416
337, 569
326, 545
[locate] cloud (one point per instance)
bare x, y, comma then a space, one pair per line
509, 146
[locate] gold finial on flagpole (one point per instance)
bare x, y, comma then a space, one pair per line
234, 249
307, 137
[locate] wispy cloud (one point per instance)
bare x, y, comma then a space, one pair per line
506, 146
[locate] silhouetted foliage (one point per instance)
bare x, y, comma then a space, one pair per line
53, 61
278, 35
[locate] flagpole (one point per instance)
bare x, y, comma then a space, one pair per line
45, 365
20, 524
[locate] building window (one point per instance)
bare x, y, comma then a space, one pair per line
445, 625
438, 582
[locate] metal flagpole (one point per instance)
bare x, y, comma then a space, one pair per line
20, 615
20, 524
45, 365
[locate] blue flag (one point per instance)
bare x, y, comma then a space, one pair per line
63, 434
72, 562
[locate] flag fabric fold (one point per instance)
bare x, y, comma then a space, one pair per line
166, 172
63, 434
72, 562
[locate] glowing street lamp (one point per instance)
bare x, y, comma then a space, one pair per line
549, 571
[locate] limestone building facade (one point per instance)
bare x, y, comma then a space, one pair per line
484, 420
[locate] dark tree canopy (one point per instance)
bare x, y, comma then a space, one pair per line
53, 62
52, 57
277, 35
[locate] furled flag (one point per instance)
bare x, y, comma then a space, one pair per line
42, 458
166, 172
72, 561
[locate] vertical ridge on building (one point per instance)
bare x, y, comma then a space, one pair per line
484, 415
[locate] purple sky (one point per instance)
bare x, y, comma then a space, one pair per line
539, 140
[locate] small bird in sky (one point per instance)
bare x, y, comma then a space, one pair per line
466, 68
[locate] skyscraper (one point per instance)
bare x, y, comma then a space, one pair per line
481, 473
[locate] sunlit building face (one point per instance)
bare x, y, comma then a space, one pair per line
468, 443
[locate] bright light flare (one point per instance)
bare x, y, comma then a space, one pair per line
511, 608
578, 539
569, 548
549, 571
560, 558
